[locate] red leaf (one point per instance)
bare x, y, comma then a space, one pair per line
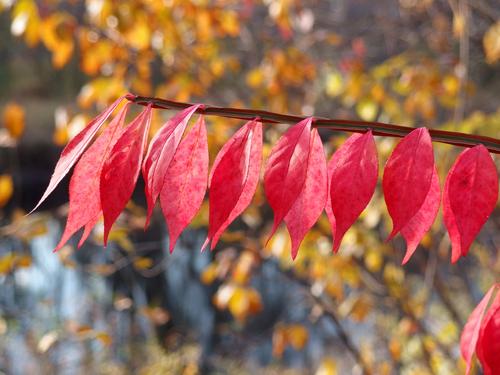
312, 199
352, 175
84, 196
160, 153
470, 333
407, 177
75, 148
120, 171
470, 195
185, 181
285, 171
450, 223
415, 229
488, 344
89, 226
234, 178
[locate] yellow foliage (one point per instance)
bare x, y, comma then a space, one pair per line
139, 34
491, 43
209, 274
242, 271
240, 301
6, 189
7, 263
142, 263
334, 84
255, 78
10, 261
13, 119
297, 336
294, 335
104, 338
26, 21
327, 367
57, 35
374, 260
244, 302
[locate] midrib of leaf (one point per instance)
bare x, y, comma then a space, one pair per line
189, 164
290, 160
243, 139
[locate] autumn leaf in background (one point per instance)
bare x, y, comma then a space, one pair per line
491, 43
6, 189
13, 119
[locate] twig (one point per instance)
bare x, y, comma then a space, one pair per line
332, 314
378, 128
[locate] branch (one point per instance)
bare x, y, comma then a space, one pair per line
378, 128
330, 312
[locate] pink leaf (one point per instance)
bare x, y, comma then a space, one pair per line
121, 170
286, 170
415, 229
470, 333
234, 178
88, 227
84, 196
329, 213
407, 177
185, 181
470, 195
160, 153
352, 175
449, 221
312, 199
488, 344
75, 148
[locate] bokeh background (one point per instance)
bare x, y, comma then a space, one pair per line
133, 308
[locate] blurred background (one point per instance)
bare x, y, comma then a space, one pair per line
133, 308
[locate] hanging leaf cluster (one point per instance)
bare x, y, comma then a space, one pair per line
299, 184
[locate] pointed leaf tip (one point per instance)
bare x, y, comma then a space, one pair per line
185, 182
415, 229
352, 176
74, 149
234, 178
407, 177
478, 336
311, 200
204, 246
84, 194
469, 198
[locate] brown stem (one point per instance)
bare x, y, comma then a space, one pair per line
378, 128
